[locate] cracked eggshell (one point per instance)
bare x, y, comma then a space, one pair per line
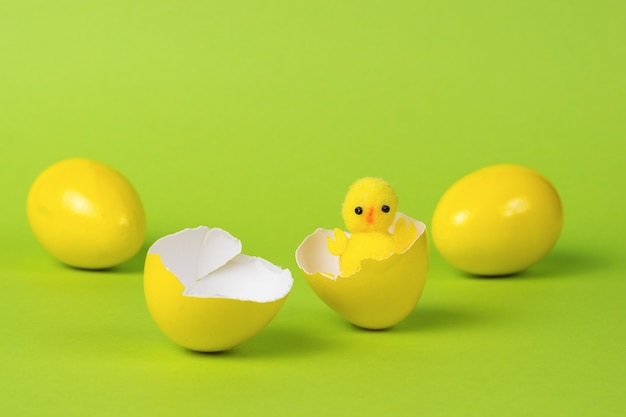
379, 295
207, 296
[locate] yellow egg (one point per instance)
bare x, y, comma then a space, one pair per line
381, 293
86, 214
498, 220
207, 296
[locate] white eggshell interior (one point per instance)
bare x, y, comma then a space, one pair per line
313, 256
209, 263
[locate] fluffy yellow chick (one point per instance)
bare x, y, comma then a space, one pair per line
368, 211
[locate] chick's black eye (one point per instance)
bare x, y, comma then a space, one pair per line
385, 209
358, 210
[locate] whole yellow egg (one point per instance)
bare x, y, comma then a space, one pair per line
86, 214
498, 220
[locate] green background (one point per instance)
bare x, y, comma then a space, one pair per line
255, 117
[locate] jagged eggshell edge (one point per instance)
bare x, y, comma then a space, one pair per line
378, 296
211, 304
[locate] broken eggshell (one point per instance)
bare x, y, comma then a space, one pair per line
381, 293
207, 296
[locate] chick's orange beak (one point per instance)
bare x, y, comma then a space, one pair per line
370, 215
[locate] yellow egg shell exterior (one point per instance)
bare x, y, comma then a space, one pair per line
201, 324
498, 220
86, 214
378, 296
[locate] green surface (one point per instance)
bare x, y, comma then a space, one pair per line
255, 117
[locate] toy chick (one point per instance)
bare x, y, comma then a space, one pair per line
368, 211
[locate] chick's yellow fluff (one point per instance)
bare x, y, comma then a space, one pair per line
368, 211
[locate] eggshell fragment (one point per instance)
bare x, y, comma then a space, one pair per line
207, 296
379, 295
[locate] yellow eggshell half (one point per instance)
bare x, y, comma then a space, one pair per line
379, 295
498, 220
212, 317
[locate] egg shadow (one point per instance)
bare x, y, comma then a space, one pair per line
559, 263
423, 319
291, 342
428, 319
133, 265
567, 263
274, 342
